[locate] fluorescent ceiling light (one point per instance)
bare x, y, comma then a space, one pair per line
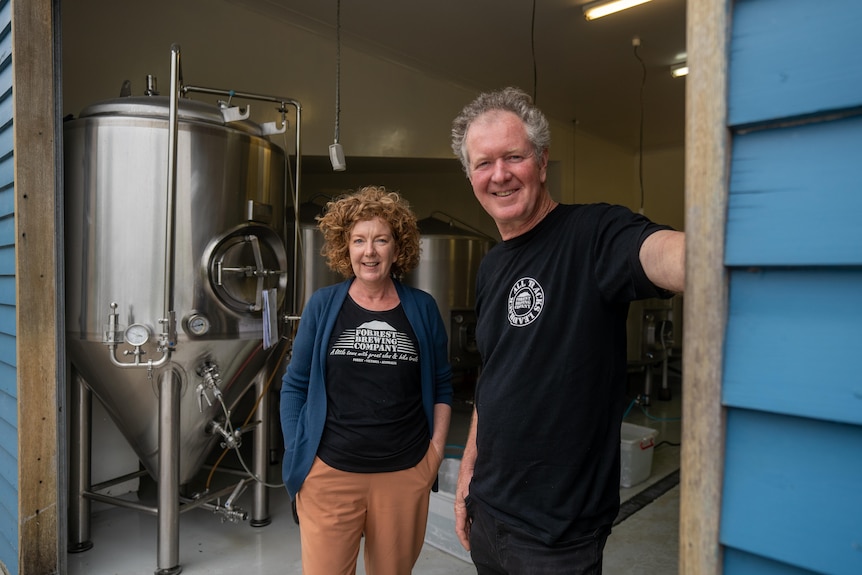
595, 10
678, 70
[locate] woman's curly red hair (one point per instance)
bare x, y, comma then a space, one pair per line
342, 213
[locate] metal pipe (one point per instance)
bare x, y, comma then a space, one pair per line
170, 384
260, 508
112, 338
137, 361
647, 383
297, 236
169, 317
118, 480
116, 501
664, 369
186, 504
238, 490
79, 466
297, 173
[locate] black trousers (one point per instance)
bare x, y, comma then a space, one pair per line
500, 549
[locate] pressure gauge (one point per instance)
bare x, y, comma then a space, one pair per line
198, 324
137, 334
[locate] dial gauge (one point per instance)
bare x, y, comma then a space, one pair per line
198, 324
137, 334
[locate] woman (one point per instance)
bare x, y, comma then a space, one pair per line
366, 399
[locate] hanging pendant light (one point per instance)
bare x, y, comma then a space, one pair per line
336, 152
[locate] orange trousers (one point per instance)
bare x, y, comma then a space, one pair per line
336, 508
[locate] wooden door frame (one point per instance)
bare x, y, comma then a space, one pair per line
707, 159
38, 283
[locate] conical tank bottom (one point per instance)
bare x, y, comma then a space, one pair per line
131, 395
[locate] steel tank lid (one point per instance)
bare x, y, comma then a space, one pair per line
434, 226
158, 107
310, 209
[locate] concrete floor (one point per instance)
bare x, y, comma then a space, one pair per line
645, 542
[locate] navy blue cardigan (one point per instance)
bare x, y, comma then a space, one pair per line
303, 390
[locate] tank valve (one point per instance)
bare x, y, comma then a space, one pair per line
227, 510
210, 384
232, 515
113, 335
232, 439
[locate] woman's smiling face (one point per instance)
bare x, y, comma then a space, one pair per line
372, 250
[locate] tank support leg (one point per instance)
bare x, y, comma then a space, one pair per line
170, 384
260, 510
79, 472
664, 393
647, 384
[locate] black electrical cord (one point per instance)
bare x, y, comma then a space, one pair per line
337, 66
533, 49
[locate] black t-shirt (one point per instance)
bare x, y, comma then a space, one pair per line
551, 307
374, 416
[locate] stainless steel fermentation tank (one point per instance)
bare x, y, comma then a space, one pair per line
451, 253
176, 289
312, 267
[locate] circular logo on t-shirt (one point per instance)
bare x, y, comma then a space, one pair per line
526, 300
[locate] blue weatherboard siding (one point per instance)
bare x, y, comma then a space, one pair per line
741, 563
790, 347
796, 196
791, 383
793, 487
8, 372
793, 58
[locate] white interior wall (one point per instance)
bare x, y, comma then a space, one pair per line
603, 172
664, 186
607, 173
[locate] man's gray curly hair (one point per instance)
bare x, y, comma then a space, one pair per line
508, 99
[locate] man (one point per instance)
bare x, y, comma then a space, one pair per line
538, 487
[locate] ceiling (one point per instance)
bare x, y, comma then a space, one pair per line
584, 72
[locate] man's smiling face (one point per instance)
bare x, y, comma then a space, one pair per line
507, 177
